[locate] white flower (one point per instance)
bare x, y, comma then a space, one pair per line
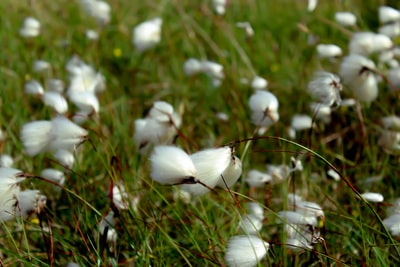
328, 50
356, 72
345, 18
53, 175
33, 87
373, 197
231, 173
219, 6
30, 28
259, 83
98, 9
29, 202
56, 101
210, 165
388, 14
147, 34
264, 106
245, 251
365, 43
40, 65
257, 179
393, 224
6, 161
59, 133
171, 165
64, 157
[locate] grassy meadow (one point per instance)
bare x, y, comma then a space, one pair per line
158, 229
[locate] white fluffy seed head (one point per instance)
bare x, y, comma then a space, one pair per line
257, 179
161, 111
192, 67
325, 88
65, 134
264, 106
10, 179
64, 157
6, 161
40, 65
30, 28
388, 14
250, 224
171, 165
54, 175
301, 122
365, 43
29, 202
35, 136
33, 87
56, 101
328, 50
373, 197
231, 173
259, 83
55, 85
356, 72
210, 165
87, 102
345, 18
245, 251
147, 34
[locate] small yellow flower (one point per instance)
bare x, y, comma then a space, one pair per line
27, 77
117, 52
34, 221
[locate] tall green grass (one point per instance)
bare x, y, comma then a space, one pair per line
163, 231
